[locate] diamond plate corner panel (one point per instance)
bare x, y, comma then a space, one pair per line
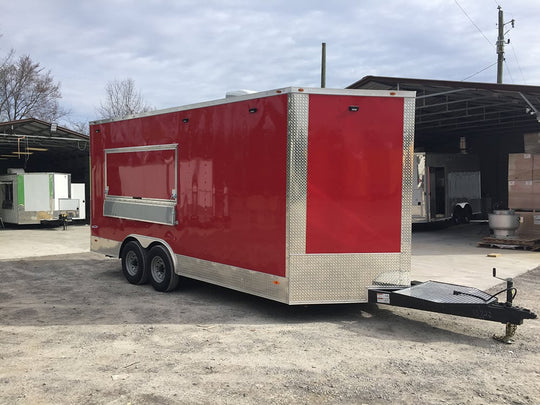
298, 112
407, 185
339, 278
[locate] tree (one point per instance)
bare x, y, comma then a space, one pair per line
122, 99
79, 126
28, 91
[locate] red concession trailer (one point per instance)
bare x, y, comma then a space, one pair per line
298, 195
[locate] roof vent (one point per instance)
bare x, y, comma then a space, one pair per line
238, 93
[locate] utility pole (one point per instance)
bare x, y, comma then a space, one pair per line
500, 45
323, 66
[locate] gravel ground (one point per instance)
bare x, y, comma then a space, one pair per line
72, 330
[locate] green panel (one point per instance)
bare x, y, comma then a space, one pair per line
51, 186
20, 189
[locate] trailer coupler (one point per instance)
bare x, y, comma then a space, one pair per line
456, 300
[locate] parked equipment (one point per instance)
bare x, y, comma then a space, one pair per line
446, 186
33, 198
298, 195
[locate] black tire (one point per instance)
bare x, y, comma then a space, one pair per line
467, 214
161, 269
134, 263
457, 216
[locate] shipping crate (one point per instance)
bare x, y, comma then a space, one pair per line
532, 142
520, 166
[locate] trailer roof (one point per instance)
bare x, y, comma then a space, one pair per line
268, 93
468, 108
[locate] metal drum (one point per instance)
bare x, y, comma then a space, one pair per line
504, 223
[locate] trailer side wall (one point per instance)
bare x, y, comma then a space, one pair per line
231, 206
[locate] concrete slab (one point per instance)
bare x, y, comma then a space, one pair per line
447, 254
34, 241
451, 255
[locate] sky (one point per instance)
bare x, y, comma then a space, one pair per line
181, 52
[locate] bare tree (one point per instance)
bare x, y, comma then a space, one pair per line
79, 126
28, 91
122, 99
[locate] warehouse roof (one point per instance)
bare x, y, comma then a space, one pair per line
466, 108
23, 138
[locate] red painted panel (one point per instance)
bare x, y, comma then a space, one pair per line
232, 172
145, 174
354, 175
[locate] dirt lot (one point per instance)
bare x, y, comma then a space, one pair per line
72, 330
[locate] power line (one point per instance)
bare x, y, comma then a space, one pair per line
480, 71
519, 66
508, 71
472, 22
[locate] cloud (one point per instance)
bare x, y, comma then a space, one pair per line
192, 51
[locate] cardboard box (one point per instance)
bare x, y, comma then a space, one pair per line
520, 195
520, 166
529, 226
536, 168
532, 142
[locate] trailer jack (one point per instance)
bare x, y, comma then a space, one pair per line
457, 300
507, 338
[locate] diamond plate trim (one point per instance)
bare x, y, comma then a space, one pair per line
297, 126
237, 278
407, 185
335, 278
447, 293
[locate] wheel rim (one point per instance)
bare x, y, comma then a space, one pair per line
132, 263
157, 267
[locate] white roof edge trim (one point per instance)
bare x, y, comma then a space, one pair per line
275, 92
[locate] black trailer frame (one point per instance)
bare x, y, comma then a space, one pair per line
456, 300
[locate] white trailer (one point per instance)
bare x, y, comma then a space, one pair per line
33, 198
78, 193
445, 186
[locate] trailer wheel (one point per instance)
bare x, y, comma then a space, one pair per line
467, 214
134, 263
457, 216
161, 269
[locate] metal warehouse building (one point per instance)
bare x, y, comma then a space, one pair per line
39, 146
488, 120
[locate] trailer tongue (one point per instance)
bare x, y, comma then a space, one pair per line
457, 300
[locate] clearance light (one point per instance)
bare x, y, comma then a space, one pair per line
38, 149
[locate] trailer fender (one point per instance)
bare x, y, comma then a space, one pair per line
147, 241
